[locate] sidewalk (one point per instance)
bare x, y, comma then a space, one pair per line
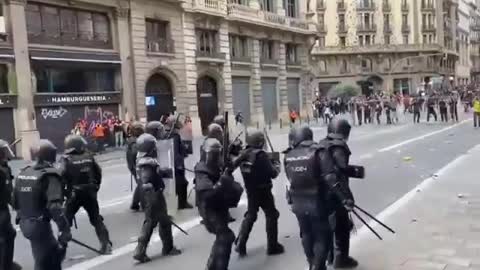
437, 224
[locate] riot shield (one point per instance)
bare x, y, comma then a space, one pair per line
166, 159
186, 133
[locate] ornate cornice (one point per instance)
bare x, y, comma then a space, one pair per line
16, 2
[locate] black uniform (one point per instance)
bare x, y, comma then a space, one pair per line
453, 109
151, 177
417, 107
216, 194
359, 113
336, 143
181, 183
431, 109
368, 113
311, 172
83, 176
7, 232
38, 198
258, 171
131, 157
443, 110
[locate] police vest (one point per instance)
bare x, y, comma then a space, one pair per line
5, 186
253, 176
301, 170
30, 191
80, 167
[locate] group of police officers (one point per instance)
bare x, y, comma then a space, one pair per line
318, 192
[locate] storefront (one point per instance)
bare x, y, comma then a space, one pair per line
7, 104
58, 114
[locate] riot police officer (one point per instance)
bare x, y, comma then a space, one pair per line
311, 173
151, 177
7, 232
338, 134
258, 171
131, 156
38, 198
180, 153
234, 147
83, 177
156, 129
216, 193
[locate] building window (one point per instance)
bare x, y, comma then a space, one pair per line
341, 22
292, 53
388, 63
360, 40
267, 5
291, 8
322, 65
158, 39
321, 19
404, 19
239, 47
387, 39
4, 79
68, 27
206, 41
343, 41
366, 64
240, 2
321, 41
267, 49
344, 67
368, 40
386, 19
64, 79
405, 39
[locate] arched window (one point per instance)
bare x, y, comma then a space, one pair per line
366, 64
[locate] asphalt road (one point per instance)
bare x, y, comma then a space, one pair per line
397, 158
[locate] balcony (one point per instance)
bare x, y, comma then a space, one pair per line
405, 28
268, 62
240, 59
428, 28
366, 6
242, 11
274, 18
321, 5
386, 7
77, 39
405, 7
297, 23
370, 27
427, 7
210, 56
341, 7
378, 48
160, 46
212, 7
387, 28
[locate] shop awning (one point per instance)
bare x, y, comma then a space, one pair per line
83, 57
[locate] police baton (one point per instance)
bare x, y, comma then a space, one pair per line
131, 182
86, 246
366, 224
176, 226
75, 223
372, 217
268, 139
15, 142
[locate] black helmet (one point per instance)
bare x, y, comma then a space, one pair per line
339, 128
6, 152
215, 131
213, 152
75, 143
154, 128
303, 133
255, 138
45, 150
219, 120
147, 145
136, 129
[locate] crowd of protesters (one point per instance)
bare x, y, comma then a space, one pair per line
108, 133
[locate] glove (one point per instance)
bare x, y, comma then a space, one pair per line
64, 238
349, 204
226, 179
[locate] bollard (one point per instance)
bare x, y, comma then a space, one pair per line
270, 124
281, 123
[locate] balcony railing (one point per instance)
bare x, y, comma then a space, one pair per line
378, 48
275, 18
242, 59
371, 27
298, 23
321, 5
341, 5
268, 61
386, 7
210, 5
405, 28
428, 28
366, 5
242, 10
160, 45
210, 56
427, 7
405, 7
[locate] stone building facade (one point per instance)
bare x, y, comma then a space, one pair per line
90, 60
386, 45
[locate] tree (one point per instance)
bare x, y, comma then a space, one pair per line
344, 91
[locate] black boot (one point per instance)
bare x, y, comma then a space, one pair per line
140, 253
104, 238
16, 266
182, 199
345, 262
241, 247
167, 239
273, 247
106, 248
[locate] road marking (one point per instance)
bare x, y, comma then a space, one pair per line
386, 149
94, 262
